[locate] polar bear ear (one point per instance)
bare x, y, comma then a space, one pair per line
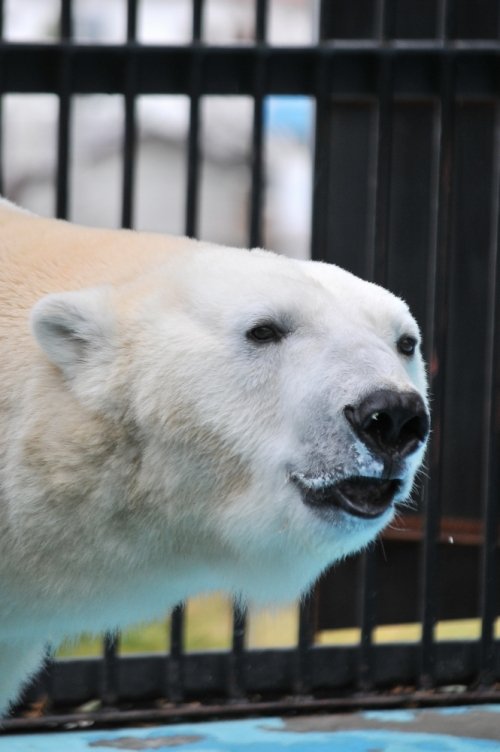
73, 327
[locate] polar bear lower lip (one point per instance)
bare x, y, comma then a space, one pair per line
358, 495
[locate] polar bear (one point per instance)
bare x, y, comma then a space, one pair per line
178, 417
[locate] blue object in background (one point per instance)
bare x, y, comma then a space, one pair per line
289, 116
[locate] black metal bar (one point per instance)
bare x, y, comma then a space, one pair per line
445, 25
197, 20
489, 491
438, 286
66, 21
35, 68
321, 144
109, 690
377, 267
384, 20
261, 16
62, 194
64, 122
436, 349
193, 158
131, 20
257, 156
302, 680
236, 658
129, 136
193, 150
175, 661
377, 270
368, 593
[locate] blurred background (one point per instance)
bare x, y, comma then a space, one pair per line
160, 179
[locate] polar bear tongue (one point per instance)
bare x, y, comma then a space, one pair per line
358, 495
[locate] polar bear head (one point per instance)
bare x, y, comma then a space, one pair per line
277, 410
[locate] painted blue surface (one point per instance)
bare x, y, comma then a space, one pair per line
405, 716
260, 735
390, 716
462, 709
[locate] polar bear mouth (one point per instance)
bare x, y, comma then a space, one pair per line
358, 495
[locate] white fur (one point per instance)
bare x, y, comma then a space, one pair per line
147, 446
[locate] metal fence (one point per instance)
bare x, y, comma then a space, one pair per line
407, 193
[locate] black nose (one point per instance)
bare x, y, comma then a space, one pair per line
390, 423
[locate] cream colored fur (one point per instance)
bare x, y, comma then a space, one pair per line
146, 444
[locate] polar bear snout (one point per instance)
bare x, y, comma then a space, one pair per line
391, 424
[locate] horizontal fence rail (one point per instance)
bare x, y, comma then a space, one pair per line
348, 70
406, 192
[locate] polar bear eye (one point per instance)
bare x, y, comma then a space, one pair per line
406, 345
264, 333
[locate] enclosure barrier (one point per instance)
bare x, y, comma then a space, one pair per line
406, 193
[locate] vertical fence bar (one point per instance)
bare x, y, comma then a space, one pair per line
64, 122
379, 250
109, 670
236, 658
257, 155
378, 241
321, 144
368, 620
197, 20
193, 150
305, 637
436, 327
175, 662
384, 20
129, 137
489, 454
377, 270
445, 25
